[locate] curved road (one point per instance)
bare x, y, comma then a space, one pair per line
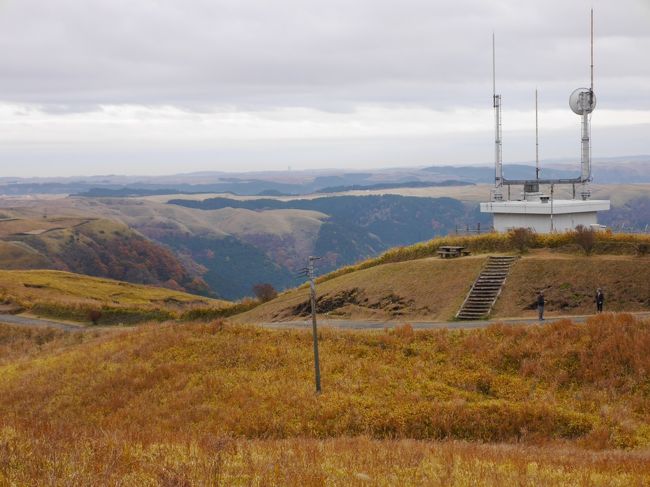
34, 322
29, 321
423, 325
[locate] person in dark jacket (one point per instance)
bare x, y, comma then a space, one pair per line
600, 299
540, 305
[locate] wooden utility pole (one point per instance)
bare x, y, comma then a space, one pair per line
312, 289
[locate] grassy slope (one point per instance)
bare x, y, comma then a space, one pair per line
57, 293
17, 255
430, 288
98, 247
436, 288
160, 404
569, 283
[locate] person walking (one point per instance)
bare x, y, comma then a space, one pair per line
540, 305
600, 299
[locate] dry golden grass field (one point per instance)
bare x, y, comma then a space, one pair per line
72, 296
225, 404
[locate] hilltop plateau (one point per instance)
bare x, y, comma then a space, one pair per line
409, 284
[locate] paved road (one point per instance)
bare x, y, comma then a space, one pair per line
343, 324
37, 322
380, 325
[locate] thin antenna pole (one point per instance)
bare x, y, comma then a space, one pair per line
496, 101
494, 68
536, 140
592, 50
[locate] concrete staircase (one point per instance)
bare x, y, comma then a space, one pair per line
486, 288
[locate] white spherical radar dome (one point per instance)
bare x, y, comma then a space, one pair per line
582, 101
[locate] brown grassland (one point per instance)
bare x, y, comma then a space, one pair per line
569, 283
71, 296
393, 290
433, 288
226, 404
605, 243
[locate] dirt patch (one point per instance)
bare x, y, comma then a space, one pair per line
394, 304
337, 303
327, 303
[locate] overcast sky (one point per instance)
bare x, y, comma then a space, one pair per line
164, 86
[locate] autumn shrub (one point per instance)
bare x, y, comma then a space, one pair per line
404, 331
206, 403
94, 315
17, 342
585, 238
264, 292
502, 383
521, 239
112, 459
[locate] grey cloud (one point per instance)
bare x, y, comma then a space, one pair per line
330, 55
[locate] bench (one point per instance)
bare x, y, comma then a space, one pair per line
450, 251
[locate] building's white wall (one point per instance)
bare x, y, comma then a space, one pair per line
542, 223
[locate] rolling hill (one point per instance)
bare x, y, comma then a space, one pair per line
232, 243
408, 284
73, 297
349, 228
95, 247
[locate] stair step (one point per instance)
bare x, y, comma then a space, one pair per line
486, 288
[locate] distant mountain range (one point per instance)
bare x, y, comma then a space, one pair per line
632, 169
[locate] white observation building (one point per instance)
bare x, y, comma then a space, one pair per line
540, 212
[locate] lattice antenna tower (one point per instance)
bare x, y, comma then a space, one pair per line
496, 101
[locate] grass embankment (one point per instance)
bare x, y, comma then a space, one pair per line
199, 403
63, 295
434, 289
569, 283
422, 289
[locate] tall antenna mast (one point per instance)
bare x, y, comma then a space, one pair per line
591, 89
583, 102
494, 68
536, 140
496, 101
